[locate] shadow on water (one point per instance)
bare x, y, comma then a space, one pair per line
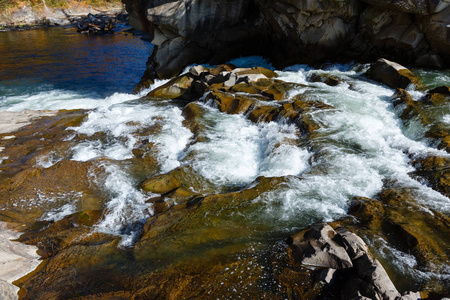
60, 58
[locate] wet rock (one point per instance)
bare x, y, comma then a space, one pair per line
436, 170
95, 24
325, 78
188, 222
428, 111
192, 85
161, 184
231, 104
174, 89
319, 247
438, 96
392, 74
398, 218
332, 263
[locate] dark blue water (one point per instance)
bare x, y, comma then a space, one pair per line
49, 59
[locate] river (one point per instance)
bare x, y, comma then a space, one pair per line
361, 144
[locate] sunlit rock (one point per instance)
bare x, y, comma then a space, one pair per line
392, 74
333, 263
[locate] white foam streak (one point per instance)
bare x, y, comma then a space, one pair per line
58, 214
122, 122
126, 206
60, 99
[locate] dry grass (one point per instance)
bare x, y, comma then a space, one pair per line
12, 4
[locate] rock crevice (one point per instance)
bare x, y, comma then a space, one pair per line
289, 32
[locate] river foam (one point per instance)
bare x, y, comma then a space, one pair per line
235, 151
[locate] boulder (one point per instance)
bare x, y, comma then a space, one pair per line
161, 184
319, 247
174, 89
392, 74
335, 264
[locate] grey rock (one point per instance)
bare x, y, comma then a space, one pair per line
391, 74
289, 32
319, 247
198, 70
335, 250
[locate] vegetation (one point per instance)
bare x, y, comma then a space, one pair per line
6, 5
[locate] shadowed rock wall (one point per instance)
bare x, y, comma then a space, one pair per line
414, 32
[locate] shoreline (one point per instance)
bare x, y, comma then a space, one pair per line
28, 17
11, 121
16, 261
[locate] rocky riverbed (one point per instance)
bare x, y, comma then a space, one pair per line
157, 197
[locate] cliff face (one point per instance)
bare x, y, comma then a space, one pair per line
292, 31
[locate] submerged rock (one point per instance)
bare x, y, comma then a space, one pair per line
429, 111
436, 170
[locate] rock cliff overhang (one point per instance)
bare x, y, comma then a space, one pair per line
413, 32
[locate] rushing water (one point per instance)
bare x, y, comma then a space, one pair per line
362, 143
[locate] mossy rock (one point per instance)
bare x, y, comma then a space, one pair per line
161, 184
270, 88
264, 113
325, 78
231, 104
174, 89
436, 170
256, 70
190, 226
398, 218
222, 68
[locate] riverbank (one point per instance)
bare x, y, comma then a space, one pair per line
26, 16
12, 121
16, 260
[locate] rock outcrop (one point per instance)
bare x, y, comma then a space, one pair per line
392, 74
288, 32
336, 264
39, 14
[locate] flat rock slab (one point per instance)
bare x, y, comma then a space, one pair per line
11, 121
16, 260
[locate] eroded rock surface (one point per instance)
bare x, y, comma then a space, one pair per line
333, 263
289, 32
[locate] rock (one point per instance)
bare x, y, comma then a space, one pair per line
436, 28
430, 60
397, 218
161, 184
436, 170
288, 32
319, 247
445, 90
325, 78
335, 264
392, 74
256, 70
424, 110
414, 6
